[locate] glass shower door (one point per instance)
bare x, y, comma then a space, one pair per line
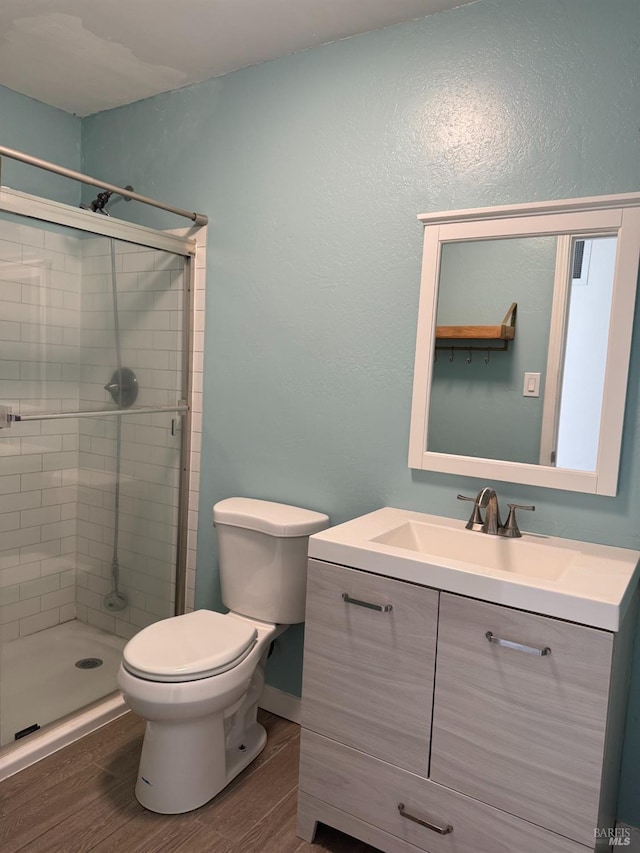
89, 500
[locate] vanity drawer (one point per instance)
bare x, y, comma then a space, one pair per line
519, 730
372, 790
368, 673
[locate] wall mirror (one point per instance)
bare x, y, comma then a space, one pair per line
535, 395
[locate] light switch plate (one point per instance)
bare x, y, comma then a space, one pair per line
531, 385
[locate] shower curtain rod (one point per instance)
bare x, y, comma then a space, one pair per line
198, 218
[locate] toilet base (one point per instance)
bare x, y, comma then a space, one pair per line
176, 775
200, 734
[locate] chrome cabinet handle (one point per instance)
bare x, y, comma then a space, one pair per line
383, 608
519, 647
441, 830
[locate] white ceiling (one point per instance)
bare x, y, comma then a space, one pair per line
85, 56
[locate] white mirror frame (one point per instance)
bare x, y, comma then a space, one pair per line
616, 215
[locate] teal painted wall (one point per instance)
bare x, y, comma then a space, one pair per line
312, 169
41, 131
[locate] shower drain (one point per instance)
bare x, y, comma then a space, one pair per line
88, 663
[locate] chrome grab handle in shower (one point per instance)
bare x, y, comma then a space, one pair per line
383, 608
54, 416
441, 830
519, 647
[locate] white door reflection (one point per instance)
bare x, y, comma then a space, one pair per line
586, 337
578, 356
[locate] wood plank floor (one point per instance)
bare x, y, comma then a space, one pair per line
82, 799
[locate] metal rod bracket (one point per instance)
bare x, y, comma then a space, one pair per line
6, 418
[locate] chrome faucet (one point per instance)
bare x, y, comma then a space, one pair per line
487, 499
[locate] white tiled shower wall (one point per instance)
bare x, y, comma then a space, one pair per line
39, 334
56, 477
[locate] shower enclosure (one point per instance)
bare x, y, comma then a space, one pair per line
95, 428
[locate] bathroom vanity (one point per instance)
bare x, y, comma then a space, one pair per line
463, 692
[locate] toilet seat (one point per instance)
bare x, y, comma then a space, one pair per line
190, 647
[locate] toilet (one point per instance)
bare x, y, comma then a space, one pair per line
197, 678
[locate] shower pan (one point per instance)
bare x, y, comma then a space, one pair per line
95, 428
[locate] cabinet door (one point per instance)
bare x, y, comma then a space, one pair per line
368, 673
519, 730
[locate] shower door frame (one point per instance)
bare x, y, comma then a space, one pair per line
34, 207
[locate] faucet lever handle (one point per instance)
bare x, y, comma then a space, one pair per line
511, 529
475, 521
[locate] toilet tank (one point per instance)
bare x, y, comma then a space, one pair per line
262, 555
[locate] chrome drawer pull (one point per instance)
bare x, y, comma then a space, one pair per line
442, 830
519, 647
383, 608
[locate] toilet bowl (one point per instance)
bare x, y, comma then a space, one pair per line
197, 678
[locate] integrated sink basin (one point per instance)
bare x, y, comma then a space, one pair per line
479, 551
578, 581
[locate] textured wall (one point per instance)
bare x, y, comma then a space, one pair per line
312, 169
44, 132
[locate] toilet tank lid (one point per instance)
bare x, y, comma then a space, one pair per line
269, 517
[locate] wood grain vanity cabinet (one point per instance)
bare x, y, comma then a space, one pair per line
436, 722
368, 673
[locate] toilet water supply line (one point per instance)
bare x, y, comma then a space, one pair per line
116, 600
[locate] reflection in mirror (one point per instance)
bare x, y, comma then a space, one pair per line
477, 408
543, 404
478, 405
572, 425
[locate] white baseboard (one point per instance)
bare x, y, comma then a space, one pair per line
280, 703
634, 835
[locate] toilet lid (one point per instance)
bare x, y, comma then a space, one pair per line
185, 648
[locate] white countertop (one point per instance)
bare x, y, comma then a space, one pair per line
594, 585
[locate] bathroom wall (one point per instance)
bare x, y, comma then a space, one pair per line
312, 169
41, 131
